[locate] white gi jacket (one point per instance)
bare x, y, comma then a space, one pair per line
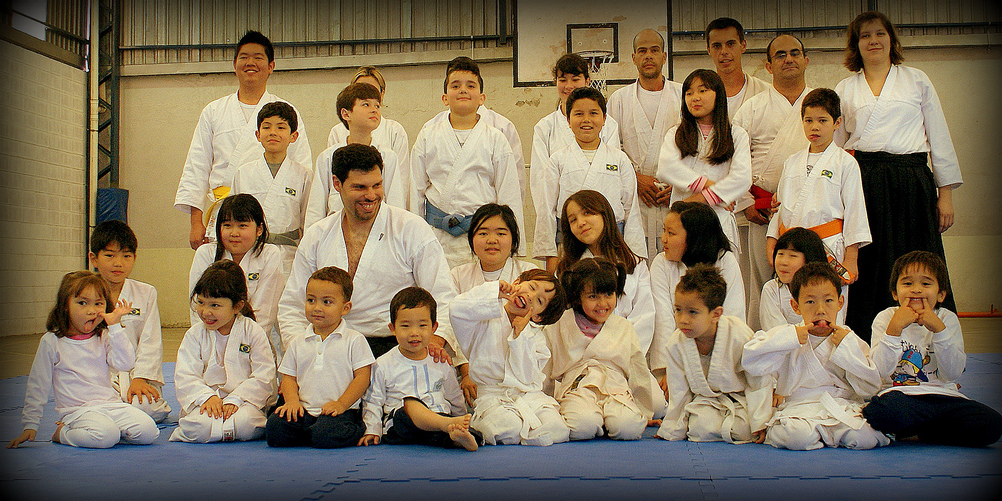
223, 140
725, 387
246, 374
611, 362
753, 87
324, 200
458, 179
832, 190
642, 143
395, 377
264, 275
827, 382
501, 123
732, 178
906, 118
775, 131
919, 362
77, 371
775, 309
142, 325
637, 303
665, 275
401, 251
553, 132
467, 276
567, 172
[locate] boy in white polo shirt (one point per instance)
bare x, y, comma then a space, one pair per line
324, 374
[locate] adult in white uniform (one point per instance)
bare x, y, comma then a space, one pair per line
725, 42
224, 137
383, 248
893, 120
775, 131
645, 110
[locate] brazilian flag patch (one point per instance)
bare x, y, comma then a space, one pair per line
244, 348
612, 167
253, 276
290, 191
827, 173
136, 312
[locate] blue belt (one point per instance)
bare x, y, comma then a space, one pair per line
621, 225
453, 224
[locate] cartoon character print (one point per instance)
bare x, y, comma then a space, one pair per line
912, 369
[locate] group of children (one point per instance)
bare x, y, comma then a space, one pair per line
598, 343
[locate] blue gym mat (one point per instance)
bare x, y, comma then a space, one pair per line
598, 469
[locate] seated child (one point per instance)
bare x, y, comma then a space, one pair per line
324, 373
225, 368
600, 373
413, 399
85, 341
919, 350
821, 189
795, 248
507, 354
460, 163
359, 109
493, 238
710, 397
277, 180
113, 253
822, 369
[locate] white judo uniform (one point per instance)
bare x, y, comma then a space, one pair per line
753, 86
396, 377
239, 368
774, 308
775, 131
401, 251
711, 398
501, 123
459, 178
142, 325
324, 200
665, 275
265, 281
600, 382
93, 412
832, 190
824, 386
568, 171
642, 142
283, 198
511, 407
732, 178
222, 141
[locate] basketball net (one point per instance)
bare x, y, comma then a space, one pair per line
596, 58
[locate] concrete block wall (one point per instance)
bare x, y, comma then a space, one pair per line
43, 113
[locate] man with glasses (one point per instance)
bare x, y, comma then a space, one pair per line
772, 120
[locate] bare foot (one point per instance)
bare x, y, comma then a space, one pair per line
462, 437
59, 427
459, 432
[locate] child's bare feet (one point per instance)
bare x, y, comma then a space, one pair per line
459, 432
59, 427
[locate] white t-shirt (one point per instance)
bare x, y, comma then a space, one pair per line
649, 100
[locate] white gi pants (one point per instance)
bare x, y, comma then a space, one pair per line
587, 410
754, 262
511, 417
157, 410
104, 425
247, 423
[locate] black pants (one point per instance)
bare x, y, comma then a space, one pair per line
404, 431
937, 419
322, 432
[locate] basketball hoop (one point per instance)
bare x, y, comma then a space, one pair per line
596, 58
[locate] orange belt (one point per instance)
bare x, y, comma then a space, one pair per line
829, 229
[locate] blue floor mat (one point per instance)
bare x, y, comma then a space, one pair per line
597, 469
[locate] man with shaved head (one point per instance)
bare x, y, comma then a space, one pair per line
645, 110
772, 120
